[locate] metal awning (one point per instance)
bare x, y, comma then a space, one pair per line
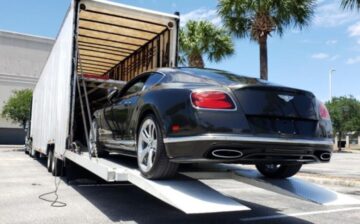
108, 34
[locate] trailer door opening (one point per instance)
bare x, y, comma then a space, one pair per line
119, 43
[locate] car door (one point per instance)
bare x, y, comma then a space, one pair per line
123, 107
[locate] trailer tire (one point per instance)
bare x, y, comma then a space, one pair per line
161, 167
28, 147
94, 141
278, 171
34, 154
49, 160
57, 167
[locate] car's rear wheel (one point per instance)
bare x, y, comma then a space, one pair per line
151, 155
278, 171
96, 148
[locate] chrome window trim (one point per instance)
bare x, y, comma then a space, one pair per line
222, 137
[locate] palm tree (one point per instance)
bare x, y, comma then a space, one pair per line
200, 38
258, 19
350, 4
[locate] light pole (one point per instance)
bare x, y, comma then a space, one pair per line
330, 82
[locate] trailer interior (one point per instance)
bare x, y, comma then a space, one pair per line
115, 44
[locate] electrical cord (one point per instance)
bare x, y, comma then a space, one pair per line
54, 203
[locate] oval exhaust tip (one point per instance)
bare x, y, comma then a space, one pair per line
227, 153
325, 156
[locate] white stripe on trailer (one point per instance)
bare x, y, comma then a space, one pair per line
187, 195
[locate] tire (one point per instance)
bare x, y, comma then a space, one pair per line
150, 145
34, 154
57, 167
28, 147
278, 171
49, 160
94, 141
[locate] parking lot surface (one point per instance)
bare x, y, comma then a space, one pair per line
23, 179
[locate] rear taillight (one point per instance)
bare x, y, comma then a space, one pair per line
323, 111
216, 100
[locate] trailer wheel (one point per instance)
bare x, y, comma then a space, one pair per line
94, 143
56, 166
278, 171
35, 154
49, 160
151, 155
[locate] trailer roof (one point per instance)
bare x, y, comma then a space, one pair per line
110, 32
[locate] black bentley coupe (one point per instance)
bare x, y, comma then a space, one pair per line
189, 115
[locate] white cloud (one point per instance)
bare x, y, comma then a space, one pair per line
331, 15
358, 42
201, 14
320, 56
354, 30
353, 60
331, 42
324, 56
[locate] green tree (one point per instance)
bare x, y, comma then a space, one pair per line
200, 38
350, 4
345, 114
258, 19
18, 107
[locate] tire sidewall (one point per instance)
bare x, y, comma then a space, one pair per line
160, 145
49, 161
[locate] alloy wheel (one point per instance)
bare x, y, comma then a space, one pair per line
147, 145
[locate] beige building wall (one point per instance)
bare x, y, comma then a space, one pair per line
22, 58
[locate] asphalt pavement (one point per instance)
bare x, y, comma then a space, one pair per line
23, 179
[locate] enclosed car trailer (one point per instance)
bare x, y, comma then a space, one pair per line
102, 45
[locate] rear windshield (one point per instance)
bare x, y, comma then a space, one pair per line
223, 77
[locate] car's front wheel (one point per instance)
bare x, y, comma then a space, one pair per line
278, 171
151, 155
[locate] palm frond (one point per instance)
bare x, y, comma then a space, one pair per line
202, 38
350, 4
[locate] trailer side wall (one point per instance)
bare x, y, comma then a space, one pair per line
51, 97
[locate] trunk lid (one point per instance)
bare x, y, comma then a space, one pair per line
278, 110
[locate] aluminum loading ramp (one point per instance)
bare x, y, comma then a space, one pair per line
291, 187
191, 196
188, 195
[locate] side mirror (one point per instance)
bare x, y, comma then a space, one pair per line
113, 92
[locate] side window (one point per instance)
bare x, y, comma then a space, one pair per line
136, 87
152, 80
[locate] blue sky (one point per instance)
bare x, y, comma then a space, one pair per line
301, 58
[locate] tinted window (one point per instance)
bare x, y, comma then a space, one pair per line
136, 87
152, 80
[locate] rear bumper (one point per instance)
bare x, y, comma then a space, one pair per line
254, 150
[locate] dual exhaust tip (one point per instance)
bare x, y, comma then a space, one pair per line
325, 156
227, 153
235, 154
